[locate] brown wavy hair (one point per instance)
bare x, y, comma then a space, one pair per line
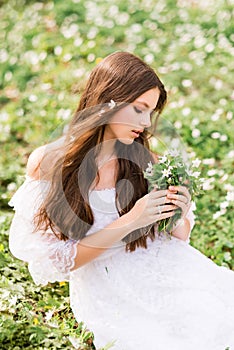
121, 77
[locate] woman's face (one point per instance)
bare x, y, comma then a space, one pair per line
129, 122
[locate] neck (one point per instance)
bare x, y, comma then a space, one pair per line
107, 152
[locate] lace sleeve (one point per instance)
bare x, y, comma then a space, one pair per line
49, 259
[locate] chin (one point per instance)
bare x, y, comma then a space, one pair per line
126, 141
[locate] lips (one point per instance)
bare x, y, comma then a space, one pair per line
137, 132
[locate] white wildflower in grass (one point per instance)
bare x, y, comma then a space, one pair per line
172, 170
112, 104
187, 83
178, 124
230, 196
13, 301
218, 214
58, 50
12, 186
49, 315
196, 133
224, 205
215, 135
208, 161
230, 154
223, 138
32, 98
228, 187
229, 115
211, 172
208, 184
75, 342
195, 121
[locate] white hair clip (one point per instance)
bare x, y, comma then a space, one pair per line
112, 104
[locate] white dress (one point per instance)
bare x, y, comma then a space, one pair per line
167, 297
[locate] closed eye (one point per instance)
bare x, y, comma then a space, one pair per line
137, 110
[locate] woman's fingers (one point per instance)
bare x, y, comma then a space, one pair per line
181, 190
164, 208
157, 194
178, 198
161, 216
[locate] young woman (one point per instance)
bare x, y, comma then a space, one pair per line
84, 214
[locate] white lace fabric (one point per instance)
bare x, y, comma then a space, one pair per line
49, 259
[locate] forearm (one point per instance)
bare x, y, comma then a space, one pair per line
182, 229
97, 243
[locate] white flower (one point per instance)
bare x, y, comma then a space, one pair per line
230, 196
32, 98
166, 172
216, 215
174, 152
196, 163
230, 154
49, 315
224, 205
58, 50
211, 172
162, 159
75, 342
208, 161
13, 301
196, 174
149, 169
215, 135
101, 112
219, 213
12, 186
223, 138
112, 104
187, 83
229, 187
207, 184
196, 133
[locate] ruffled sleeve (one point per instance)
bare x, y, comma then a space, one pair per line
49, 259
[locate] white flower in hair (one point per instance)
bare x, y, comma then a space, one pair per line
101, 112
112, 104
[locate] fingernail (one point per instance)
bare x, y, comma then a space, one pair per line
171, 188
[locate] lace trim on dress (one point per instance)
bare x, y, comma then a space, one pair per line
62, 254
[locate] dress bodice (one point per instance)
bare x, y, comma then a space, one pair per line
102, 203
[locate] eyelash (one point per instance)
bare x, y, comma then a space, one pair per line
137, 110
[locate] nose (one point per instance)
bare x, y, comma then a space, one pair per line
145, 120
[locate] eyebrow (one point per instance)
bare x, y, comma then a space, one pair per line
145, 104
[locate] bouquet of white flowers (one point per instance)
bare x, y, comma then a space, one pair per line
171, 170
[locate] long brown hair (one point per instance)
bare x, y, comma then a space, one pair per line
121, 77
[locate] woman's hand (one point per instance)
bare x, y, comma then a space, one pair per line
180, 196
151, 208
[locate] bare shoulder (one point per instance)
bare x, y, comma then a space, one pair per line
42, 158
